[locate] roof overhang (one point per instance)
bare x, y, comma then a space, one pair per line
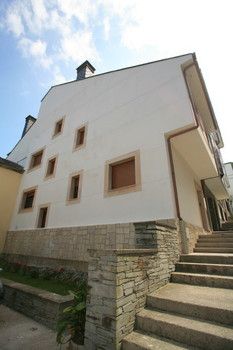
217, 187
200, 97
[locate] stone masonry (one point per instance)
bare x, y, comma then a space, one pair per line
57, 246
125, 262
41, 305
119, 281
188, 235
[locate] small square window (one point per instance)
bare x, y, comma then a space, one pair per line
74, 190
80, 137
122, 174
58, 127
51, 167
28, 199
36, 159
42, 218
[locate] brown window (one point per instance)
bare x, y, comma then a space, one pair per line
80, 137
122, 174
51, 167
28, 199
42, 218
74, 187
36, 159
58, 127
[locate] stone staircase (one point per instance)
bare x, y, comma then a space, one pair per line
195, 310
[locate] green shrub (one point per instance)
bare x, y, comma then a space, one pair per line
71, 324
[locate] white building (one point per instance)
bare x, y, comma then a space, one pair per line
136, 144
229, 172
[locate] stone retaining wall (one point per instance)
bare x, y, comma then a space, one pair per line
67, 244
44, 307
188, 236
120, 281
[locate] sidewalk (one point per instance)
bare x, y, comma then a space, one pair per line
18, 332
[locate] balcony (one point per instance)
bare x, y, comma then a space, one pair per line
196, 150
218, 186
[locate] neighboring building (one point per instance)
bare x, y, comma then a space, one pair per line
136, 144
229, 172
10, 176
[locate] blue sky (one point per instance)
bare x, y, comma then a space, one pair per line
42, 43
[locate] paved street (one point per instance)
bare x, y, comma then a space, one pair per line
18, 332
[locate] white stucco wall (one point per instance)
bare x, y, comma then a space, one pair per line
187, 193
125, 110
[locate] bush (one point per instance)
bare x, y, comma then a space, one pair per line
66, 275
71, 324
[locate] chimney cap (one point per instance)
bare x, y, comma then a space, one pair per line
27, 124
30, 117
86, 64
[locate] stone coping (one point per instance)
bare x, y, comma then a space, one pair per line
124, 251
64, 228
167, 223
158, 223
40, 293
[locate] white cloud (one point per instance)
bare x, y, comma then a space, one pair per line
14, 23
78, 46
68, 23
36, 50
58, 77
106, 27
83, 11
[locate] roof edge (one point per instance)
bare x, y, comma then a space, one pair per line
120, 69
8, 164
221, 144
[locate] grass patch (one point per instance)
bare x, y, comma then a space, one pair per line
53, 286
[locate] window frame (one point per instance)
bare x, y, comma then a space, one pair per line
108, 191
55, 134
45, 205
22, 201
70, 200
78, 147
50, 176
32, 168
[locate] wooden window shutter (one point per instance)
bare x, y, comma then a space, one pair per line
123, 174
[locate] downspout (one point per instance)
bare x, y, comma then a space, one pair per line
178, 134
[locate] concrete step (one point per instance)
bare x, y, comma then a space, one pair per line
213, 250
213, 304
213, 244
227, 226
208, 258
209, 269
215, 240
141, 341
202, 279
218, 234
190, 331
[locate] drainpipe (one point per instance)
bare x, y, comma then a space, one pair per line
178, 134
